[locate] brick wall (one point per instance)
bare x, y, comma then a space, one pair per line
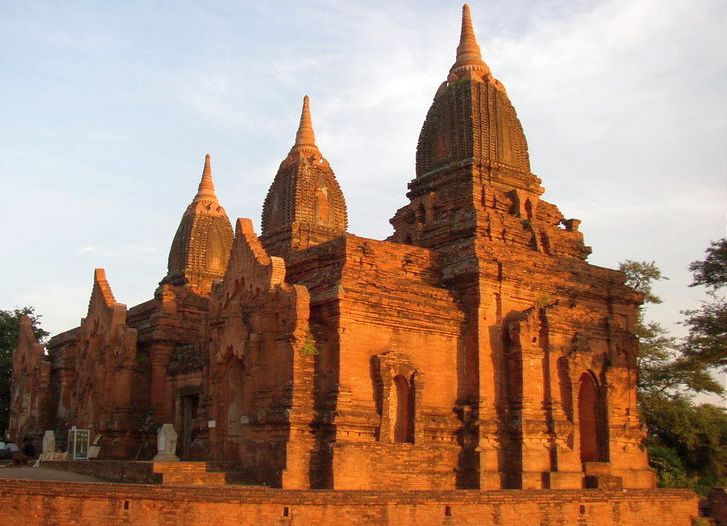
111, 470
394, 466
43, 502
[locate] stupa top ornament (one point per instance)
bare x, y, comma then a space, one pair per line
469, 63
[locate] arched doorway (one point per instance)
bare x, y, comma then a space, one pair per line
403, 411
589, 420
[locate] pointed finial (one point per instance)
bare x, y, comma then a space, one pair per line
469, 56
305, 138
206, 186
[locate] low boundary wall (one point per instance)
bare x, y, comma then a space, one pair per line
44, 502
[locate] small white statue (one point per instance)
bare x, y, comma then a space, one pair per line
166, 444
49, 442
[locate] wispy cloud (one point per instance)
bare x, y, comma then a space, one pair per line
120, 252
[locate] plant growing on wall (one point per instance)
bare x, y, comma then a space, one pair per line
310, 345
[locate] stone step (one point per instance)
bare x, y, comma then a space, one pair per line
198, 473
604, 482
213, 478
192, 467
239, 477
597, 468
194, 479
222, 466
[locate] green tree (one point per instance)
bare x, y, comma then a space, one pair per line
687, 442
9, 328
664, 367
707, 340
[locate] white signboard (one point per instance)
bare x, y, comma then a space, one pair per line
78, 441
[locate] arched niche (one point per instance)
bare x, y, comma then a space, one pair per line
398, 388
216, 253
321, 207
590, 421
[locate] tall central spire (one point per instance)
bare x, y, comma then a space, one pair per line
305, 138
469, 56
206, 189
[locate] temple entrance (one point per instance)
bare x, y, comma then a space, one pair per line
402, 404
189, 413
589, 420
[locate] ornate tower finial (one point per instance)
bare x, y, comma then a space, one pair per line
304, 206
206, 188
201, 246
305, 138
469, 56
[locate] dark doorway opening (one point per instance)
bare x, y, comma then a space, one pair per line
403, 405
589, 420
190, 404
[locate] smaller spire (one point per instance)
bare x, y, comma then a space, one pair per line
305, 138
469, 55
206, 186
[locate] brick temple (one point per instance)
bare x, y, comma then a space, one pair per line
474, 348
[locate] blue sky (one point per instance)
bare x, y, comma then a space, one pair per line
109, 107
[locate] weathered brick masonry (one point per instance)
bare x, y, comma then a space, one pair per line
475, 348
46, 503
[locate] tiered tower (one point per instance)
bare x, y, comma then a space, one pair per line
473, 175
201, 246
533, 306
304, 205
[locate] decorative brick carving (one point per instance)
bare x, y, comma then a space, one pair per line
201, 246
304, 206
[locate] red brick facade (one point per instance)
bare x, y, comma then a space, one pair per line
475, 348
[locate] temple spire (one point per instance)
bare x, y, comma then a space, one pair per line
469, 56
206, 186
201, 247
305, 138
